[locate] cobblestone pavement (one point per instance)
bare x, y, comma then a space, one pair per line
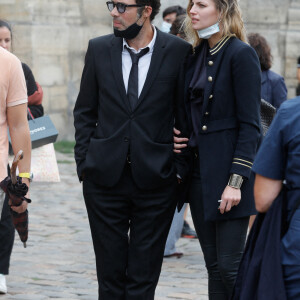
59, 261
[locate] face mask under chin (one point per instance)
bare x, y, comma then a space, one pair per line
129, 33
206, 33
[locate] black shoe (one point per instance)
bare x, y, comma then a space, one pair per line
187, 231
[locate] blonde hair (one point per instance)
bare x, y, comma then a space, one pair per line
231, 22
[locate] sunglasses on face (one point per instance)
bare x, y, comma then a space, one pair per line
121, 7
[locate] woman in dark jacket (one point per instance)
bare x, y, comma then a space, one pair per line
223, 101
273, 88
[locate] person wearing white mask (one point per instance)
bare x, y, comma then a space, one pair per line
169, 16
223, 83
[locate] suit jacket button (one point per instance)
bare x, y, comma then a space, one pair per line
204, 128
210, 63
210, 79
126, 139
207, 113
211, 96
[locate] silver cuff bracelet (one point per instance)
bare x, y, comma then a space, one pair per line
235, 181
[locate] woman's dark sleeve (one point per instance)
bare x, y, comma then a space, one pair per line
247, 90
30, 81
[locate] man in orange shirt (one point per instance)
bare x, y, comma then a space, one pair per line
13, 114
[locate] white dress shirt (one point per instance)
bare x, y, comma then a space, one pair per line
144, 62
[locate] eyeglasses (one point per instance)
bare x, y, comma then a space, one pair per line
121, 7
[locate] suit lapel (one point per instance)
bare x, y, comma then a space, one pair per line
116, 62
155, 65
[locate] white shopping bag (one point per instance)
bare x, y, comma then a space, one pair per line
44, 165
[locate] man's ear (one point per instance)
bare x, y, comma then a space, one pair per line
147, 11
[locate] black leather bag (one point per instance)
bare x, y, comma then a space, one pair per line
267, 114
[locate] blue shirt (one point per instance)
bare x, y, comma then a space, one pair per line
273, 88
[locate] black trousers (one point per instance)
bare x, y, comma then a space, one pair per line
129, 229
7, 237
222, 243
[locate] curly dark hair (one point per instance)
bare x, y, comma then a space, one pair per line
263, 50
155, 4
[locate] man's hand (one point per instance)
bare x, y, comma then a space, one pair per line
230, 197
179, 143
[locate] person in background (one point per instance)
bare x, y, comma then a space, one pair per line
278, 159
177, 29
273, 88
169, 16
34, 90
298, 77
180, 226
13, 112
176, 229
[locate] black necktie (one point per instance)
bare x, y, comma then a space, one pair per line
133, 82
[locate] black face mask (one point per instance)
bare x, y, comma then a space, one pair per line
130, 33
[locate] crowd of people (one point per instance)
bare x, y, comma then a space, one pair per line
163, 119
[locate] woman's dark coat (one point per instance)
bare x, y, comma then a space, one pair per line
230, 130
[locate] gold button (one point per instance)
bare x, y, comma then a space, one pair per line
210, 63
207, 113
204, 128
210, 79
211, 96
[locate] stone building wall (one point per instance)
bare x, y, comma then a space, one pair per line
52, 37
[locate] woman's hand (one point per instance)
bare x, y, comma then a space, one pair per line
179, 143
230, 197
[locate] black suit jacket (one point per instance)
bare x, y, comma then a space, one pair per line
106, 127
230, 123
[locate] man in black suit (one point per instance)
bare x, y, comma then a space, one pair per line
131, 96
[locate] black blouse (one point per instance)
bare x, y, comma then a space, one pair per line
30, 81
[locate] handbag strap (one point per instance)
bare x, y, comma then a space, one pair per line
30, 116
